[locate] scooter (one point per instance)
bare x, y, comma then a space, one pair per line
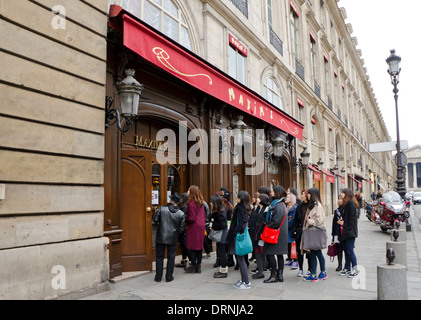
386, 215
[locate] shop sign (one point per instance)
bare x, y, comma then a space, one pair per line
191, 69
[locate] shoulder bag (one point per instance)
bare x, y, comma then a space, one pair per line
243, 243
270, 235
314, 238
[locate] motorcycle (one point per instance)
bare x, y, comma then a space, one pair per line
388, 210
369, 210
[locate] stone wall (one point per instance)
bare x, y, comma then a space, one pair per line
52, 88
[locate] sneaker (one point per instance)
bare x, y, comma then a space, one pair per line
242, 285
353, 274
308, 273
344, 272
323, 276
312, 278
300, 273
295, 265
289, 264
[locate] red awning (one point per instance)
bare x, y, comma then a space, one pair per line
185, 65
329, 177
317, 173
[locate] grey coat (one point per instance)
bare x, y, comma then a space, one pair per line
277, 214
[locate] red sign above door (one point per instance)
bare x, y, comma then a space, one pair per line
184, 65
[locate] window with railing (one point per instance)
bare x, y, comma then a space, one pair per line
242, 5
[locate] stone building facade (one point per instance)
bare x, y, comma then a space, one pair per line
413, 169
52, 88
303, 57
61, 229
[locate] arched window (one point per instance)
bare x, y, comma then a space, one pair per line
163, 15
272, 93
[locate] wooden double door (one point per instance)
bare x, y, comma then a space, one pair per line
145, 185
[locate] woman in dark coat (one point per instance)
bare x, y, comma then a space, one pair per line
219, 222
349, 232
195, 233
238, 226
276, 215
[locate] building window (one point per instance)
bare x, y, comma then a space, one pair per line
313, 57
295, 35
242, 5
327, 75
162, 15
237, 65
313, 130
272, 93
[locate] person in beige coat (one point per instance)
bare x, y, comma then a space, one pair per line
316, 216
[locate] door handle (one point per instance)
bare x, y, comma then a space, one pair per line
148, 209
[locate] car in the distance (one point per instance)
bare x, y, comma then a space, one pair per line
417, 198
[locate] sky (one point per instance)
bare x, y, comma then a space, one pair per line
379, 26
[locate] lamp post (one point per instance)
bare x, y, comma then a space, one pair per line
305, 158
394, 70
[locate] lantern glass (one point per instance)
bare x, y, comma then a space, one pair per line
278, 148
393, 61
238, 137
129, 104
305, 157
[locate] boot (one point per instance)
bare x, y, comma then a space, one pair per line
222, 273
339, 268
217, 263
272, 279
280, 275
182, 264
198, 268
190, 269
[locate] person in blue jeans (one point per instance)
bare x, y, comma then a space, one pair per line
349, 223
316, 217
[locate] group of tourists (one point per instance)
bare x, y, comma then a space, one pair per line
273, 224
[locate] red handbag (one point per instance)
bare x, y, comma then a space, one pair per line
270, 235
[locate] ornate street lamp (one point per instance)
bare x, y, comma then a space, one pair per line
129, 91
239, 132
394, 70
305, 158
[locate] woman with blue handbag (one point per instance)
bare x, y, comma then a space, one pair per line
239, 238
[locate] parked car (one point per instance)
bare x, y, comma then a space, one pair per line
417, 198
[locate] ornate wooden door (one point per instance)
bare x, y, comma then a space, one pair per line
135, 212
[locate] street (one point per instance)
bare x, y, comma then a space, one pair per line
370, 251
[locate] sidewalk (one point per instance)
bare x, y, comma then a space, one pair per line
370, 251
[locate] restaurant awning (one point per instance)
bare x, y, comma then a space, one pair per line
170, 56
329, 176
317, 173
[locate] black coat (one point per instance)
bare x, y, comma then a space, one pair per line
238, 225
350, 217
297, 223
171, 223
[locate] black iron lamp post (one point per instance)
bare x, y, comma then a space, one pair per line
394, 70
